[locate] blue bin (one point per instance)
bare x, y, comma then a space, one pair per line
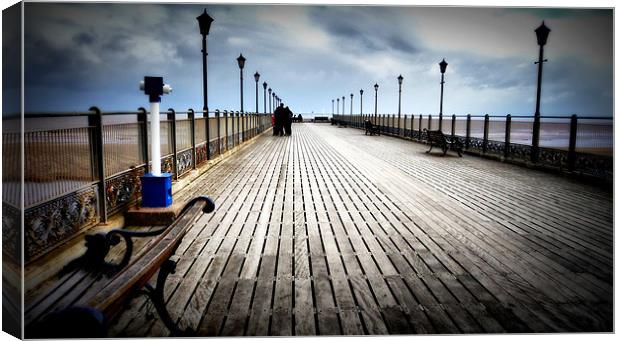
156, 190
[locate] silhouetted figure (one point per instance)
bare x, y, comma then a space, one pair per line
288, 120
300, 119
280, 119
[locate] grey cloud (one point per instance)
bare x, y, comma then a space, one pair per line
84, 38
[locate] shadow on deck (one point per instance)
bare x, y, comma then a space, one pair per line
333, 232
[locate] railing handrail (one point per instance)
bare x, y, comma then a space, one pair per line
109, 113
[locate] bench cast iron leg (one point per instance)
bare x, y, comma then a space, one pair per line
157, 297
429, 150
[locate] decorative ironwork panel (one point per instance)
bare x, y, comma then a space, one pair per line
201, 153
56, 221
476, 144
520, 152
553, 157
167, 165
213, 146
185, 161
595, 165
229, 141
123, 189
222, 144
11, 228
495, 147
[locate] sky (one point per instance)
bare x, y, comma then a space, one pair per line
83, 55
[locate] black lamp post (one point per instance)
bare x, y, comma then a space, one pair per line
332, 107
270, 110
361, 93
351, 105
343, 105
204, 24
400, 84
241, 63
338, 105
376, 88
256, 78
264, 97
442, 68
542, 33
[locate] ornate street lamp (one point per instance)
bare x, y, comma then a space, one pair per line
442, 68
256, 78
376, 88
542, 33
351, 105
241, 63
204, 24
338, 106
400, 84
264, 97
342, 105
361, 94
332, 107
270, 107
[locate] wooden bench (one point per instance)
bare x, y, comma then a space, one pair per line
439, 139
321, 119
370, 128
89, 303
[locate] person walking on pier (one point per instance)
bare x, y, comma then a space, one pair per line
288, 121
280, 120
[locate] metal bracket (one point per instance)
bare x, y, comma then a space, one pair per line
157, 298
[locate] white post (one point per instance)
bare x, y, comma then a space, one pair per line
155, 143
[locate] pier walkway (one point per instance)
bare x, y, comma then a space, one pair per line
329, 231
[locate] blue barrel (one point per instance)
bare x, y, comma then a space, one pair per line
156, 190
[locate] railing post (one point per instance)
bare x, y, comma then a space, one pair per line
172, 117
404, 125
507, 136
96, 121
144, 136
219, 141
572, 143
238, 134
225, 130
205, 114
192, 120
453, 124
243, 116
535, 137
440, 121
485, 136
420, 128
394, 125
467, 131
232, 127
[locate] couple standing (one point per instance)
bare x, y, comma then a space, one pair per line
283, 119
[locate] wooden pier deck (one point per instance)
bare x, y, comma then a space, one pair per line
333, 232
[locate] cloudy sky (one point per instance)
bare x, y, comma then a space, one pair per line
80, 55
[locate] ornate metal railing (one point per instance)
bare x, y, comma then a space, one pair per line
81, 168
571, 144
